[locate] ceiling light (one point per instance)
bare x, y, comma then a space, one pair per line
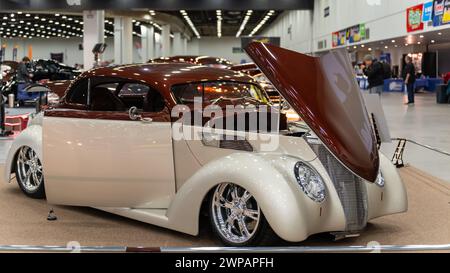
262, 22
393, 41
433, 41
219, 23
370, 49
418, 43
386, 47
244, 23
439, 33
188, 20
421, 36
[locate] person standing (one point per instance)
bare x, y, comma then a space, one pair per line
409, 76
375, 75
23, 75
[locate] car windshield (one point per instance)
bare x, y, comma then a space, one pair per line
215, 92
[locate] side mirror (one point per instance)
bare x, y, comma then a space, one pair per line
134, 114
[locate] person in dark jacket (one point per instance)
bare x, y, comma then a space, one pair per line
409, 76
23, 75
375, 75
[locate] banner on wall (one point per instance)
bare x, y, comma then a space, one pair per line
438, 12
357, 33
427, 11
14, 54
446, 15
350, 35
414, 18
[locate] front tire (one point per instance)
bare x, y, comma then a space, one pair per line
29, 173
236, 217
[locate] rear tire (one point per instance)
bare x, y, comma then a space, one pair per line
236, 218
29, 173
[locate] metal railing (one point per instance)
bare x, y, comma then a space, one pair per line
302, 249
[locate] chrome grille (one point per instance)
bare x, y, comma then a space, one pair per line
350, 188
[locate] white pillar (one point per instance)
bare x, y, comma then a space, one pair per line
94, 26
148, 43
185, 45
165, 40
177, 44
123, 40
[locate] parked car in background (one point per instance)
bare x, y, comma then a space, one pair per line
51, 70
198, 60
42, 71
130, 155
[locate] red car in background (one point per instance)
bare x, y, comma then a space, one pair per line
197, 60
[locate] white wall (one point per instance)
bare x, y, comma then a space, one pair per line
386, 19
217, 47
299, 23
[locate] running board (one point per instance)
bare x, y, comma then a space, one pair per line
151, 216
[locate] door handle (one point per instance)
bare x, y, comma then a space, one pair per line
147, 120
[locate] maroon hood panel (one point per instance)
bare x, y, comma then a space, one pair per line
325, 93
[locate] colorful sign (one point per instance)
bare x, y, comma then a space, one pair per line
441, 12
414, 18
357, 33
446, 15
351, 35
427, 11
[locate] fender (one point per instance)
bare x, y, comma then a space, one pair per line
31, 137
390, 199
290, 213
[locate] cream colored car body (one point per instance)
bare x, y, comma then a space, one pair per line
136, 170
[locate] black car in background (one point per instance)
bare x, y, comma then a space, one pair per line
51, 70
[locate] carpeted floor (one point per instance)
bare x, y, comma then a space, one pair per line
23, 222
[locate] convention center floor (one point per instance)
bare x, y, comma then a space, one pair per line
24, 221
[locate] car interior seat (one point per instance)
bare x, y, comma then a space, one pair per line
104, 100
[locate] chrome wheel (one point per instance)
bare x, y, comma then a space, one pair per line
29, 169
235, 212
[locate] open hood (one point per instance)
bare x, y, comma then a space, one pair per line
325, 94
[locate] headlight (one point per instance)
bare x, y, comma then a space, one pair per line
380, 180
310, 182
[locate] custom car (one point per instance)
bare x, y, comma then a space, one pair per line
122, 140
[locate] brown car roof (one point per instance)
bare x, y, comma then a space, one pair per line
163, 76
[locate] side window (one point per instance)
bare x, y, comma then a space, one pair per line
142, 96
78, 93
185, 94
134, 89
103, 98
